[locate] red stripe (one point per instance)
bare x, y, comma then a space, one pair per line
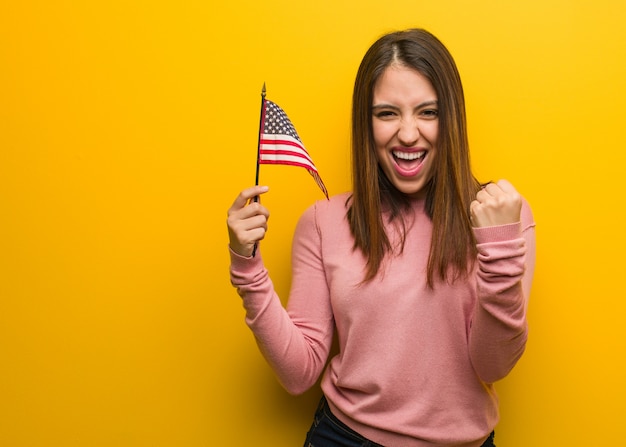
285, 142
285, 152
278, 158
285, 162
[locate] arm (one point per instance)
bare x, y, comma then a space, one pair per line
506, 258
295, 342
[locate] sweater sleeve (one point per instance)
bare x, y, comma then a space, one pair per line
294, 341
499, 328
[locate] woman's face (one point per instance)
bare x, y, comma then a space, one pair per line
405, 126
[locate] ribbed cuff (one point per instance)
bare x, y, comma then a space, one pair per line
498, 233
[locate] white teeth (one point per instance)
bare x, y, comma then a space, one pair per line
408, 155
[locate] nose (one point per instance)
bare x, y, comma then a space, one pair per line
408, 133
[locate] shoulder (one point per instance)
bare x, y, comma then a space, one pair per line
327, 213
333, 208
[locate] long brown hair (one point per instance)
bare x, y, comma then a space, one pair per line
452, 187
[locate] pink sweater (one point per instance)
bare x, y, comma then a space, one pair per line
415, 366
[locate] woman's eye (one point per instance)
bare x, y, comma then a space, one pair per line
430, 113
385, 114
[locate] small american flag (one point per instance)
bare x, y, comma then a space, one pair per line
280, 144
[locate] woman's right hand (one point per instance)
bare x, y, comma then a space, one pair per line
247, 221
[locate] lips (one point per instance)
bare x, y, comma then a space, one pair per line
408, 163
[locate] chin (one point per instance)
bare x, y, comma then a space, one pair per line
414, 192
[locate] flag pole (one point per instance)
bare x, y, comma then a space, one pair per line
258, 153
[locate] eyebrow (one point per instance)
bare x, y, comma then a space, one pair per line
419, 106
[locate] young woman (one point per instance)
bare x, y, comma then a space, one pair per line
421, 272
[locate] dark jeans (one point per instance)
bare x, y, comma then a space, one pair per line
328, 431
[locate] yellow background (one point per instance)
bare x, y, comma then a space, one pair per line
128, 127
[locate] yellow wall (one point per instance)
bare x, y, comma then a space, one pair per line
126, 130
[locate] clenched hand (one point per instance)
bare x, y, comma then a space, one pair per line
496, 204
247, 221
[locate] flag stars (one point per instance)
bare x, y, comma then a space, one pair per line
276, 121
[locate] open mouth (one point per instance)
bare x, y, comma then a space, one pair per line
408, 162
